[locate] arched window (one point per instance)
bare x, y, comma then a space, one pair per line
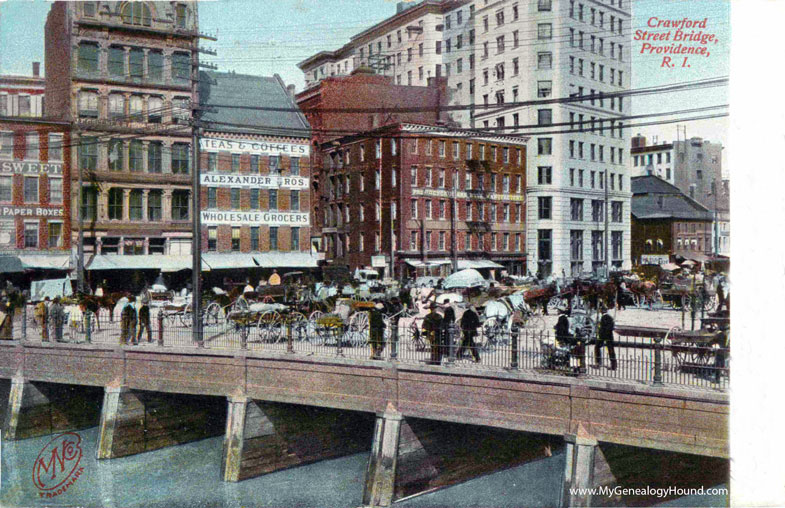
649, 246
136, 13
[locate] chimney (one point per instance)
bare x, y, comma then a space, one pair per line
36, 69
638, 141
291, 90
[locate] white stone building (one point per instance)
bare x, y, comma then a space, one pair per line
505, 61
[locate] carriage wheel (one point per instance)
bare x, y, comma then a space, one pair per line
315, 334
240, 305
299, 324
359, 328
269, 326
492, 334
415, 339
213, 315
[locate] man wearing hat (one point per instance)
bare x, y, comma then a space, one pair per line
605, 338
377, 331
431, 326
470, 321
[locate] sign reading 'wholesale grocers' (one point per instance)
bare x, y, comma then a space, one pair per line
256, 218
254, 147
254, 181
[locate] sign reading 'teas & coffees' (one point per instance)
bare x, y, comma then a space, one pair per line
254, 147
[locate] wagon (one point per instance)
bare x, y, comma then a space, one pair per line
695, 350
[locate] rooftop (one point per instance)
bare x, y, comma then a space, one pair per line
654, 198
283, 118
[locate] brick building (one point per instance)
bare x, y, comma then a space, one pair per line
325, 104
415, 196
22, 96
121, 72
666, 223
34, 186
255, 169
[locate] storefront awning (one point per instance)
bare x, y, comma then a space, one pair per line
22, 262
418, 263
697, 256
286, 260
227, 261
162, 262
464, 264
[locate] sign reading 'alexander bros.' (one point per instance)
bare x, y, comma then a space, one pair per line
254, 181
267, 218
31, 168
254, 147
29, 211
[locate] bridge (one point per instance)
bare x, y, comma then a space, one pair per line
426, 426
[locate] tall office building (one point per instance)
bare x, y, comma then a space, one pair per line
121, 72
555, 70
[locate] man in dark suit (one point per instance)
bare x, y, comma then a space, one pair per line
605, 338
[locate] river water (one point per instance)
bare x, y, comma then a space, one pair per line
188, 476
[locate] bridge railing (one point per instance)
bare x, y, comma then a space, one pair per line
652, 359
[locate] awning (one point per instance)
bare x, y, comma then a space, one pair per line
20, 263
697, 256
418, 263
53, 288
227, 261
464, 279
162, 262
286, 260
464, 264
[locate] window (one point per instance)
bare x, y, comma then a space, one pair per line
254, 198
31, 235
544, 60
136, 13
544, 207
116, 62
115, 204
442, 209
544, 146
254, 238
31, 189
597, 211
180, 205
272, 199
543, 5
181, 68
500, 44
154, 150
180, 158
180, 15
544, 31
55, 235
597, 250
295, 239
442, 182
155, 66
576, 209
576, 252
616, 244
135, 205
6, 188
154, 209
544, 88
274, 238
116, 106
89, 203
235, 238
616, 211
544, 117
544, 175
88, 58
136, 64
212, 238
55, 190
6, 145
135, 156
544, 251
155, 110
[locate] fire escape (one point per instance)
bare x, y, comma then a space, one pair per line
479, 199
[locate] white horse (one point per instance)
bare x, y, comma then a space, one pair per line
497, 315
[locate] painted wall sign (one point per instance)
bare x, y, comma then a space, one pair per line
254, 181
254, 147
29, 211
443, 193
654, 259
31, 168
267, 218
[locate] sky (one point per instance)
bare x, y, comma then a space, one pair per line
271, 36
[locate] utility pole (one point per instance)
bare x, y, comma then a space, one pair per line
80, 223
607, 251
453, 210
